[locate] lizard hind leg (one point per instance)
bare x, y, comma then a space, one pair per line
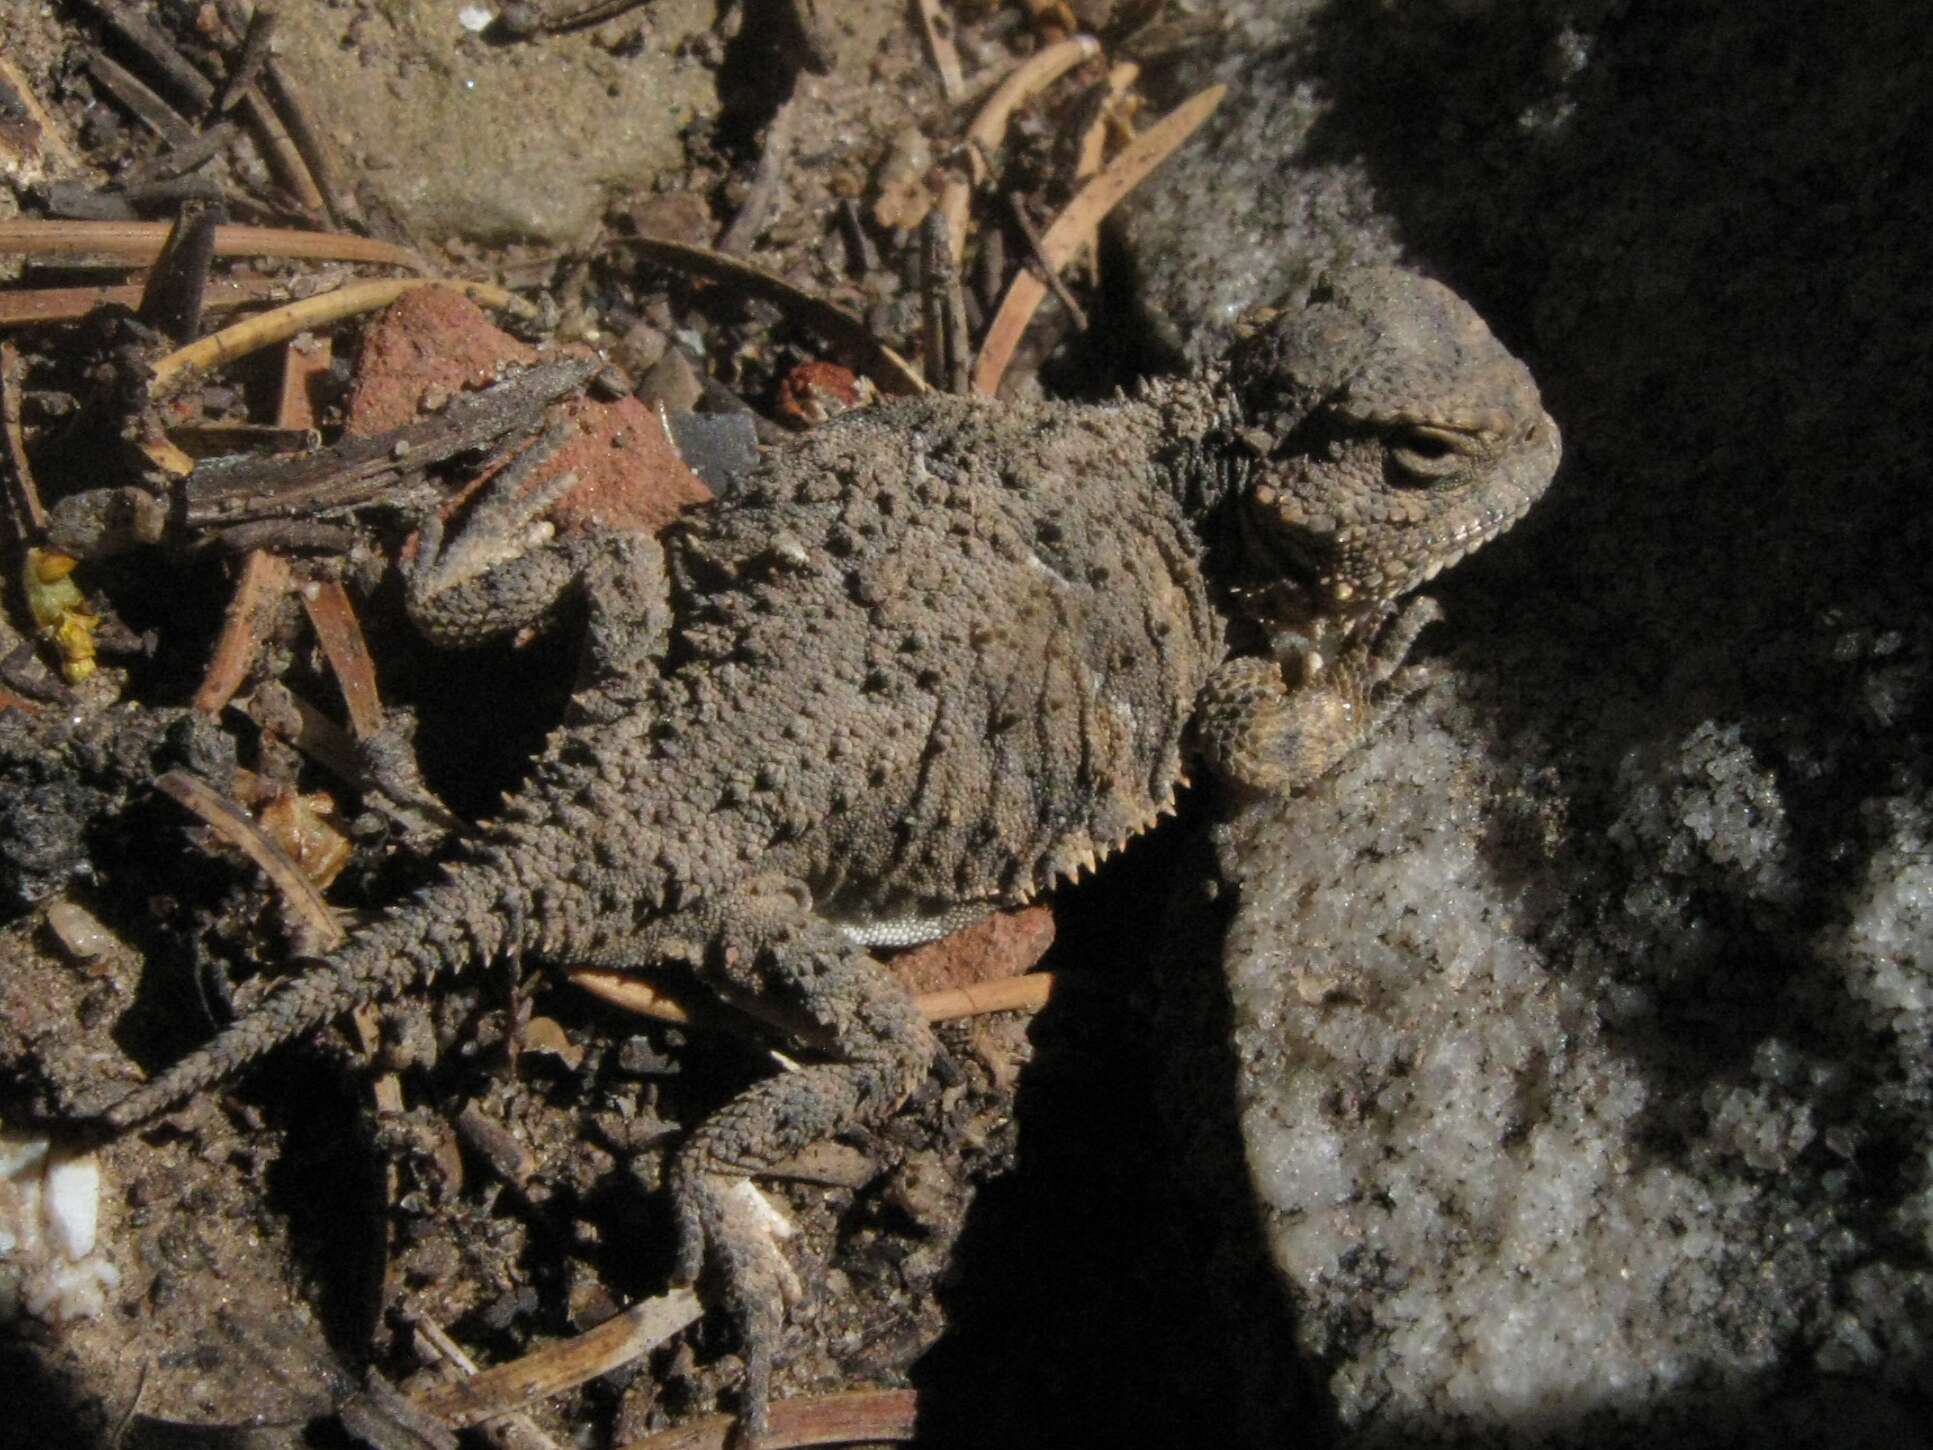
763, 942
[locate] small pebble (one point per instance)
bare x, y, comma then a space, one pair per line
73, 1203
78, 931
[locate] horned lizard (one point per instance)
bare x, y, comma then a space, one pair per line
937, 657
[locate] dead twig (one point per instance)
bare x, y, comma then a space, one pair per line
223, 492
284, 155
1025, 81
334, 619
379, 1417
1076, 222
171, 302
520, 1432
23, 496
142, 242
936, 26
257, 32
890, 372
286, 103
272, 135
948, 347
218, 439
231, 824
198, 93
1026, 993
148, 108
502, 1151
128, 21
180, 160
65, 304
302, 365
557, 1367
635, 994
989, 127
278, 710
85, 202
1109, 117
386, 1092
851, 1418
268, 328
764, 193
1049, 270
265, 579
387, 1089
523, 20
861, 255
1094, 138
284, 536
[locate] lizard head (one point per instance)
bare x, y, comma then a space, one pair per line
1395, 434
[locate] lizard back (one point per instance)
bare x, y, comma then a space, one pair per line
943, 653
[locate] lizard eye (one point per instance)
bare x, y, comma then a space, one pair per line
1427, 454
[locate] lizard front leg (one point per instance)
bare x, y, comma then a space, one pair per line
502, 569
507, 568
763, 942
1278, 725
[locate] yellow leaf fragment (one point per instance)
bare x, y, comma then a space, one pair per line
59, 608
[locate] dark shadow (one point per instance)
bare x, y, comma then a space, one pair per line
43, 1405
1112, 1288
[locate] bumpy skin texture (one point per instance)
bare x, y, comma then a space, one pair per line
937, 657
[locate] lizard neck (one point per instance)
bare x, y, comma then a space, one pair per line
1207, 464
1201, 457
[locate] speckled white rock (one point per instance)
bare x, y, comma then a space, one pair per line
49, 1217
1511, 1194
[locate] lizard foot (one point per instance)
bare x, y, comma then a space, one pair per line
1280, 725
765, 943
727, 1223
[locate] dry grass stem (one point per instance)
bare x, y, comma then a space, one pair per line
280, 324
989, 127
1063, 239
557, 1367
142, 242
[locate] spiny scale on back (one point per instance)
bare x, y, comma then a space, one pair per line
931, 660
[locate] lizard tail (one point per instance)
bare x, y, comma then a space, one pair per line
437, 932
293, 1010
